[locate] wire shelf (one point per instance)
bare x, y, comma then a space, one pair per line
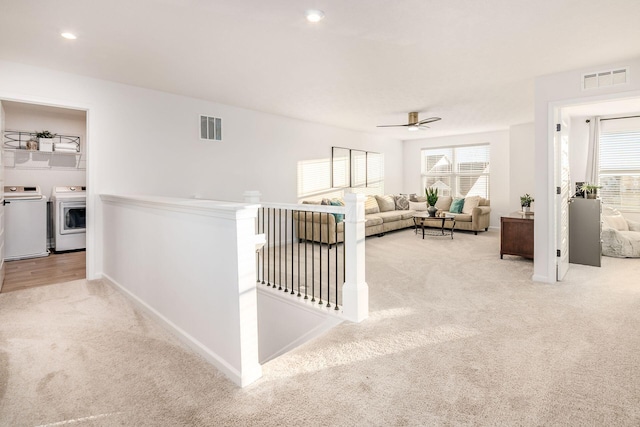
17, 140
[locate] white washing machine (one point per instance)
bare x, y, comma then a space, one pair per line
25, 213
69, 205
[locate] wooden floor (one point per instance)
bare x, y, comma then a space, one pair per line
56, 268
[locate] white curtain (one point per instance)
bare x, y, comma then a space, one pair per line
593, 163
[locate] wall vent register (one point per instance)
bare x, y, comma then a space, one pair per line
604, 78
210, 128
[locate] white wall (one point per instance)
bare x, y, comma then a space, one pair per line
554, 91
31, 118
499, 184
521, 165
190, 263
144, 141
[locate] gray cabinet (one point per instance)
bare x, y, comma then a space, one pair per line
584, 231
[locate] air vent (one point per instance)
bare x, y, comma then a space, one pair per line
604, 78
211, 128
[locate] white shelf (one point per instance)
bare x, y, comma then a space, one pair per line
38, 160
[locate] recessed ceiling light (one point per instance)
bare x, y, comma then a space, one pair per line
69, 36
314, 15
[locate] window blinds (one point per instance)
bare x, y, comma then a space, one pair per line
457, 171
619, 174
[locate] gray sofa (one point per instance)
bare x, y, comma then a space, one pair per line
388, 213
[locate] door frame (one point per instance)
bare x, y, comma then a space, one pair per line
551, 214
91, 251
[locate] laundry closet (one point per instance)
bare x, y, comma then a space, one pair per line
44, 183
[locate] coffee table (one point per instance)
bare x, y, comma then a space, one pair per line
420, 219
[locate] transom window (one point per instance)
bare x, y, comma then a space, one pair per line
459, 171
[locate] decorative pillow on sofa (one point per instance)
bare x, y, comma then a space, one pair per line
616, 221
339, 217
444, 203
470, 203
456, 206
418, 206
386, 203
402, 202
371, 205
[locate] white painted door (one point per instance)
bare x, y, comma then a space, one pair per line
1, 196
563, 191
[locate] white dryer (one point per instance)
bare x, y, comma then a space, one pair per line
69, 206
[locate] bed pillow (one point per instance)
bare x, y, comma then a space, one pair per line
456, 206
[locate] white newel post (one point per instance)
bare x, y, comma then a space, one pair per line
355, 292
253, 196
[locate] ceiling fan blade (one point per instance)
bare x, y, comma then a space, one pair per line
429, 120
389, 126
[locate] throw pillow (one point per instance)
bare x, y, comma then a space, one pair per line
326, 202
339, 217
386, 203
470, 203
456, 206
418, 206
444, 203
616, 222
402, 202
371, 206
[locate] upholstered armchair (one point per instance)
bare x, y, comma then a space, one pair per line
620, 236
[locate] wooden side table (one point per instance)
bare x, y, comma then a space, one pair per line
516, 235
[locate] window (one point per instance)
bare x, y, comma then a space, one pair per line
619, 172
457, 171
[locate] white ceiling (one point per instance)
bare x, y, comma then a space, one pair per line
369, 62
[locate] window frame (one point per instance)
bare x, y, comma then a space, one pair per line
612, 193
454, 175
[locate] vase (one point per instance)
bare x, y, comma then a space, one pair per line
432, 210
526, 209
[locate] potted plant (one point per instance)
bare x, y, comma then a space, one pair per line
525, 202
45, 140
432, 198
590, 190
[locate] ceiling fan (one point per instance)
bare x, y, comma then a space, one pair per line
414, 124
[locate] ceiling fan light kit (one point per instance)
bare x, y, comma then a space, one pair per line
414, 123
314, 15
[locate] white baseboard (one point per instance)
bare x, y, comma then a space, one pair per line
240, 379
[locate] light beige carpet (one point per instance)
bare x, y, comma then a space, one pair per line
456, 337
